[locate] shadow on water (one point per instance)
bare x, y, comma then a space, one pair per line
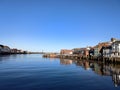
4, 57
11, 57
103, 69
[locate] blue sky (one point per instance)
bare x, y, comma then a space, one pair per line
51, 25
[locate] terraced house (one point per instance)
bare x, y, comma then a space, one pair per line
66, 52
115, 52
81, 51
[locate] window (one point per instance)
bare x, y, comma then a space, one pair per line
119, 54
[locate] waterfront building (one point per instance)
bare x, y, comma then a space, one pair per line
115, 49
1, 47
5, 49
96, 51
14, 50
66, 52
98, 48
91, 52
116, 76
19, 51
76, 50
106, 51
81, 51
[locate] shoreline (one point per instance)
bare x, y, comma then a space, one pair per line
77, 57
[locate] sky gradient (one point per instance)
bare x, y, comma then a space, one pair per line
51, 25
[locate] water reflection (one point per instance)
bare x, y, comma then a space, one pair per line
65, 62
37, 71
99, 68
8, 57
4, 57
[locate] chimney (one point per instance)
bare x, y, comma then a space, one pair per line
113, 39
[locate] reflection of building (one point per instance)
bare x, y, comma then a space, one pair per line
98, 69
107, 70
116, 79
116, 76
114, 71
79, 63
86, 65
65, 61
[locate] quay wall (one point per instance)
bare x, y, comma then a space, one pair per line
77, 57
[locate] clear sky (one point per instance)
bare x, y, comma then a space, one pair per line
51, 25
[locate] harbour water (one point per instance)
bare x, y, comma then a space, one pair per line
32, 72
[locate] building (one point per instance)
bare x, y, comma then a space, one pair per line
4, 49
14, 51
81, 51
76, 50
66, 52
115, 49
106, 51
19, 51
91, 52
1, 47
98, 49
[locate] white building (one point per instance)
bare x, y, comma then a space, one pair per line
107, 51
115, 49
4, 49
1, 48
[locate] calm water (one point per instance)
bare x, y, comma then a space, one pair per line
28, 72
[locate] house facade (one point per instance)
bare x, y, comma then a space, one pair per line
115, 52
14, 50
66, 52
4, 49
76, 50
107, 51
91, 52
81, 51
98, 49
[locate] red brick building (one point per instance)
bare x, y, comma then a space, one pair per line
66, 51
